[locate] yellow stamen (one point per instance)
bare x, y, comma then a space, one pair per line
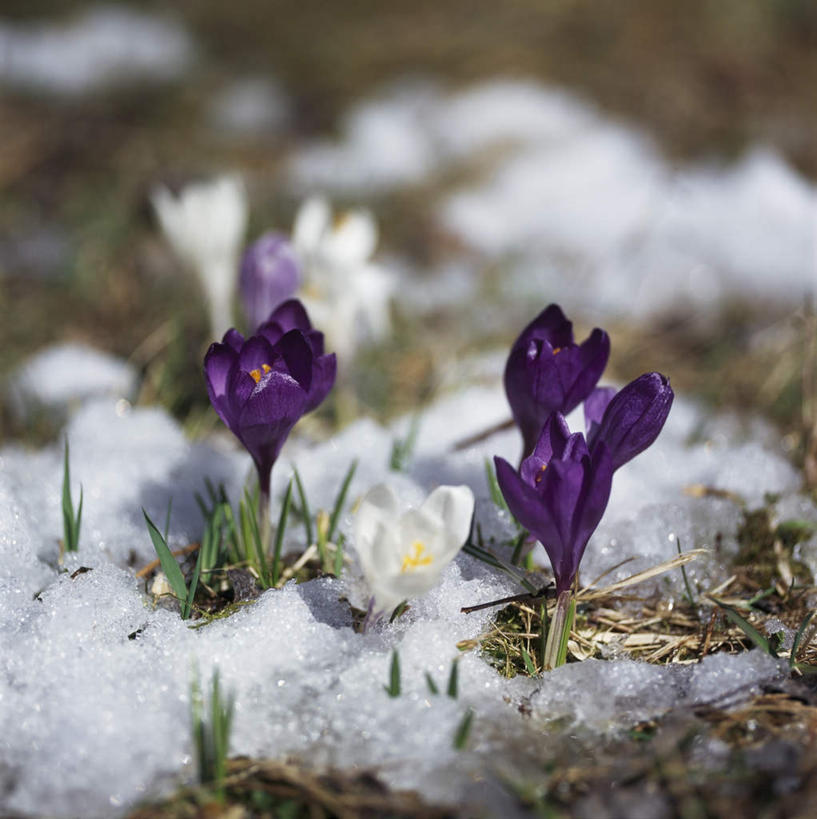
258, 374
417, 558
541, 473
557, 350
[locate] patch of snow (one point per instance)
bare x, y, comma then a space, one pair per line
250, 107
102, 46
96, 681
65, 375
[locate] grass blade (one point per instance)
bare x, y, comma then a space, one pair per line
307, 514
169, 565
338, 567
432, 686
340, 501
493, 485
453, 680
463, 730
530, 667
187, 605
690, 596
747, 628
70, 521
393, 688
279, 535
798, 638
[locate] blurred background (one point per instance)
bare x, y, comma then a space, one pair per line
649, 166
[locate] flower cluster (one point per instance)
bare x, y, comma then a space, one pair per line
561, 489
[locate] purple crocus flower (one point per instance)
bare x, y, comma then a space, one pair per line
628, 421
262, 385
547, 372
559, 494
270, 273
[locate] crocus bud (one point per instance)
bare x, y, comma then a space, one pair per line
633, 418
559, 494
547, 372
270, 274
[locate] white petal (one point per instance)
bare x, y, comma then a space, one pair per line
378, 508
352, 240
311, 224
453, 506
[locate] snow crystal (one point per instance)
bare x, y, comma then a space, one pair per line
102, 46
67, 374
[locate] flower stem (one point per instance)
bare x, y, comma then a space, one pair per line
560, 625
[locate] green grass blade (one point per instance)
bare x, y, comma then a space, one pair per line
70, 529
453, 680
187, 605
798, 638
463, 730
690, 596
279, 535
393, 688
530, 666
493, 485
565, 635
169, 565
338, 564
340, 501
305, 511
747, 628
432, 686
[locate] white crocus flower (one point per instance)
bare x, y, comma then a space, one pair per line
346, 295
403, 553
205, 226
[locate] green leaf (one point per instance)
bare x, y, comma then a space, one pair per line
70, 522
798, 638
493, 485
279, 534
530, 666
340, 501
747, 628
187, 605
432, 686
689, 595
565, 635
338, 567
403, 448
463, 730
169, 565
393, 688
307, 515
453, 680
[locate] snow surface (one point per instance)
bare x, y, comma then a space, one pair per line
102, 46
576, 204
63, 375
95, 684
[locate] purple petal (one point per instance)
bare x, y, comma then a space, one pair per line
269, 275
634, 417
217, 362
323, 379
233, 339
589, 361
528, 507
595, 494
255, 353
552, 441
297, 356
594, 406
